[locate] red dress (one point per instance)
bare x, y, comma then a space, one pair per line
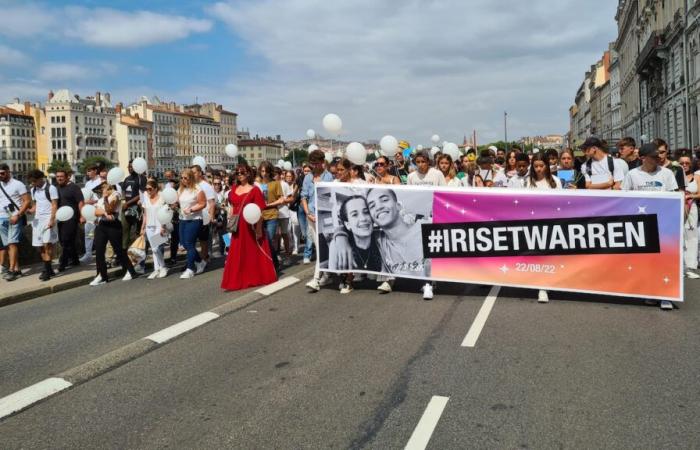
249, 262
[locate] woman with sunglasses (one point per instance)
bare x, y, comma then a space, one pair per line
690, 230
249, 260
381, 167
151, 227
191, 201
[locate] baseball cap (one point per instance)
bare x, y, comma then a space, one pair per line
649, 149
593, 142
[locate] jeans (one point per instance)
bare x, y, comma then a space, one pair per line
270, 227
312, 238
310, 234
301, 216
189, 229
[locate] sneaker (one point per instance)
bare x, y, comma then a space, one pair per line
692, 275
325, 280
427, 292
347, 288
153, 275
97, 281
85, 259
162, 273
666, 305
12, 276
384, 288
542, 297
200, 266
127, 277
295, 252
307, 260
314, 285
187, 274
45, 276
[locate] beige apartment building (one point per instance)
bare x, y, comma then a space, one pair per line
257, 150
134, 140
17, 141
228, 129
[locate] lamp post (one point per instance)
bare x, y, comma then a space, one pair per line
505, 127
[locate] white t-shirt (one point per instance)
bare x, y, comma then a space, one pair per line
621, 164
517, 182
662, 179
432, 177
544, 184
283, 211
600, 171
209, 194
15, 189
43, 205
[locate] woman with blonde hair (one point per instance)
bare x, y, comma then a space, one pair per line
109, 229
191, 201
153, 229
447, 167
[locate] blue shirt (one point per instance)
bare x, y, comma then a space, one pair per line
309, 193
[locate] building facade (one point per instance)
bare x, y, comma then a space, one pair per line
258, 149
17, 141
134, 140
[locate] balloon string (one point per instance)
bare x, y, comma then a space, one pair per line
256, 243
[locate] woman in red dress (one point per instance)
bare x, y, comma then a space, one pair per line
249, 261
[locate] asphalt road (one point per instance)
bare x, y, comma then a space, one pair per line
299, 370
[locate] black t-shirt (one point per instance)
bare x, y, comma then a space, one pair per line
70, 195
634, 163
678, 173
132, 185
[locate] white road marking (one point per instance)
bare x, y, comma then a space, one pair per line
424, 430
182, 327
475, 330
32, 394
277, 286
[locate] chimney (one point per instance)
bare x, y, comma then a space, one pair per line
108, 97
50, 95
98, 98
27, 108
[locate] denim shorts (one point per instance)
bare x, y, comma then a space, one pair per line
9, 233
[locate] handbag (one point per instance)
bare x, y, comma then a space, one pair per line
137, 250
234, 219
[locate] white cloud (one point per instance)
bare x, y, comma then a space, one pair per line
414, 68
62, 72
12, 57
20, 20
104, 27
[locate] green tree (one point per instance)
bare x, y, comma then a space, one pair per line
57, 165
92, 160
298, 155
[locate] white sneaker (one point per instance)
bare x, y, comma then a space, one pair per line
692, 275
154, 274
313, 285
97, 281
187, 274
307, 261
325, 280
127, 277
542, 297
666, 305
347, 288
384, 288
85, 259
427, 292
295, 252
162, 273
200, 266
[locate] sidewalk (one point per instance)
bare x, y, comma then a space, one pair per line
29, 286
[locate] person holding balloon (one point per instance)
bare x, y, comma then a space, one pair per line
69, 194
249, 262
192, 202
109, 229
156, 218
44, 208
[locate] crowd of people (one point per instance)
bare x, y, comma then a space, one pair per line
208, 212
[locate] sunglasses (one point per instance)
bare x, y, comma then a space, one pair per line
380, 164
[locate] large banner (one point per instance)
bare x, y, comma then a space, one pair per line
604, 242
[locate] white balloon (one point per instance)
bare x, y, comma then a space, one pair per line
64, 213
115, 175
451, 149
231, 150
312, 147
444, 143
287, 166
139, 165
329, 156
535, 151
280, 163
419, 147
164, 214
389, 144
310, 133
87, 193
252, 213
199, 161
434, 151
332, 123
435, 139
356, 153
88, 213
169, 195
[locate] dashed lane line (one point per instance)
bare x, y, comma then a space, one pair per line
182, 327
424, 430
32, 394
480, 320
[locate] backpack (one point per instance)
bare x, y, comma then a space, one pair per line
611, 166
47, 191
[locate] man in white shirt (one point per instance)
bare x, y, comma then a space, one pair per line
204, 236
44, 230
600, 171
651, 176
14, 202
93, 182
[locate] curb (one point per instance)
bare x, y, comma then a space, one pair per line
32, 395
34, 292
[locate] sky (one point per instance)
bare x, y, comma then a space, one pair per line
410, 69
